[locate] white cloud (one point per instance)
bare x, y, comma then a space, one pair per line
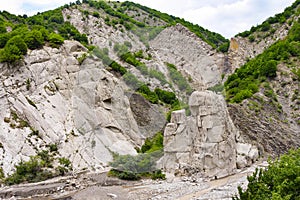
227, 17
30, 7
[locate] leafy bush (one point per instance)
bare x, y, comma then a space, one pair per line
124, 175
82, 58
251, 38
65, 166
166, 96
19, 43
2, 29
269, 68
143, 165
30, 171
10, 54
135, 167
96, 14
132, 81
131, 59
34, 39
55, 40
153, 144
281, 180
39, 168
148, 94
121, 49
217, 88
246, 80
14, 49
3, 39
118, 68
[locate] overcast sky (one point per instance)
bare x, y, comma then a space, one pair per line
227, 17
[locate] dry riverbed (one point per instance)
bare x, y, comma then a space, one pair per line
97, 186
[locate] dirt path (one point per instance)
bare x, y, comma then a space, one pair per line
97, 186
214, 185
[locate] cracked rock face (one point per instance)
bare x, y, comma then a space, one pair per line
206, 142
52, 99
194, 58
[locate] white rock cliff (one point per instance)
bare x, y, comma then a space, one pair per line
206, 142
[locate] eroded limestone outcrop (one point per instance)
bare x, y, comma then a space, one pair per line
206, 142
82, 108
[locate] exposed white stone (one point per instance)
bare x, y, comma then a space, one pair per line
206, 141
193, 55
243, 148
178, 117
241, 162
82, 108
253, 154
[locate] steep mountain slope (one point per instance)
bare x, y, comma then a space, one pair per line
248, 44
104, 95
95, 79
270, 84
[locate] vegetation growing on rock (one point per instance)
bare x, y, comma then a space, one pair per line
246, 80
129, 167
39, 167
278, 18
33, 32
214, 39
281, 180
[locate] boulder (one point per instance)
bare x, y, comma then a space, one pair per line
204, 142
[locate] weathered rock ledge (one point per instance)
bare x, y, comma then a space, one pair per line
207, 142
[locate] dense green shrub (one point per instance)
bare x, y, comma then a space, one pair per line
120, 49
265, 26
118, 68
14, 49
294, 32
269, 68
124, 175
224, 47
3, 39
10, 54
132, 81
153, 144
30, 171
34, 39
131, 59
166, 96
96, 14
251, 38
143, 165
39, 167
18, 42
135, 167
30, 28
55, 40
148, 94
217, 88
82, 58
281, 180
2, 29
246, 80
